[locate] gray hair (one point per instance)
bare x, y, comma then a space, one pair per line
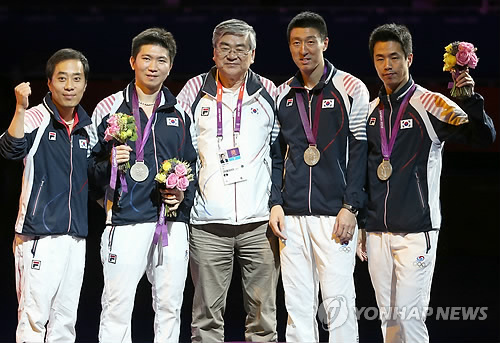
235, 27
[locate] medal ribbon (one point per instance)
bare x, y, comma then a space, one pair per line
142, 137
115, 172
310, 134
237, 122
161, 234
387, 148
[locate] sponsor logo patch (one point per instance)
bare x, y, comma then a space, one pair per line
289, 102
173, 121
35, 264
52, 136
327, 103
406, 124
112, 258
372, 121
205, 111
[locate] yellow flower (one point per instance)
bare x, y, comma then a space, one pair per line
449, 62
166, 166
448, 48
160, 177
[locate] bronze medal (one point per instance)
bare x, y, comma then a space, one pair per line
311, 155
139, 171
384, 170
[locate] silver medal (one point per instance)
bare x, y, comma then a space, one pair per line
139, 171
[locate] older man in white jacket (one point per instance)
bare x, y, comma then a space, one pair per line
234, 128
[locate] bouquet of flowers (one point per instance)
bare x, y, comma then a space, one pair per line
121, 127
173, 174
459, 56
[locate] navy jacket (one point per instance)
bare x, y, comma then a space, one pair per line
54, 189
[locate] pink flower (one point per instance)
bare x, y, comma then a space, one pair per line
180, 169
468, 47
463, 57
171, 181
107, 135
182, 183
473, 61
112, 120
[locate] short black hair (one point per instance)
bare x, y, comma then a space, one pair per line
64, 55
392, 32
308, 19
155, 36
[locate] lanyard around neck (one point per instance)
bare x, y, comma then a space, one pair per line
237, 122
142, 137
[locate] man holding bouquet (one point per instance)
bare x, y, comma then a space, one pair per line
406, 128
234, 128
130, 245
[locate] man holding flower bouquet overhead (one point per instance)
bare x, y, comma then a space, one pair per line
135, 132
234, 127
406, 128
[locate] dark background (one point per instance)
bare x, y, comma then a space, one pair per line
467, 269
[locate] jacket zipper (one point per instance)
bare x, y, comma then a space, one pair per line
420, 191
37, 196
310, 168
388, 188
70, 179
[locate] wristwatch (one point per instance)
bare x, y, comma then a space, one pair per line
350, 208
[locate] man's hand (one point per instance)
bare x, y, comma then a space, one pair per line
464, 79
172, 197
344, 226
16, 127
361, 247
123, 153
23, 91
277, 221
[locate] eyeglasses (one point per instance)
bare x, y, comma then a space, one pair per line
226, 50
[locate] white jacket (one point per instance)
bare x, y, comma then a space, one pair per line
246, 201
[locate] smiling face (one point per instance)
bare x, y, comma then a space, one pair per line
233, 57
67, 85
307, 47
151, 66
393, 68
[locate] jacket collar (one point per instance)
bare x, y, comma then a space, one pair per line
298, 81
397, 96
83, 117
167, 99
252, 85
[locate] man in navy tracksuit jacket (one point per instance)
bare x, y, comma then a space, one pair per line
128, 249
51, 226
322, 109
403, 210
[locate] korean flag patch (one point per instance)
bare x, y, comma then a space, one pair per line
83, 143
372, 121
52, 136
289, 102
172, 121
406, 124
205, 111
327, 103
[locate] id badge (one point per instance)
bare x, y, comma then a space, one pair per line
232, 166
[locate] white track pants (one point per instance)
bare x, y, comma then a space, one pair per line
49, 276
401, 267
127, 252
311, 258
